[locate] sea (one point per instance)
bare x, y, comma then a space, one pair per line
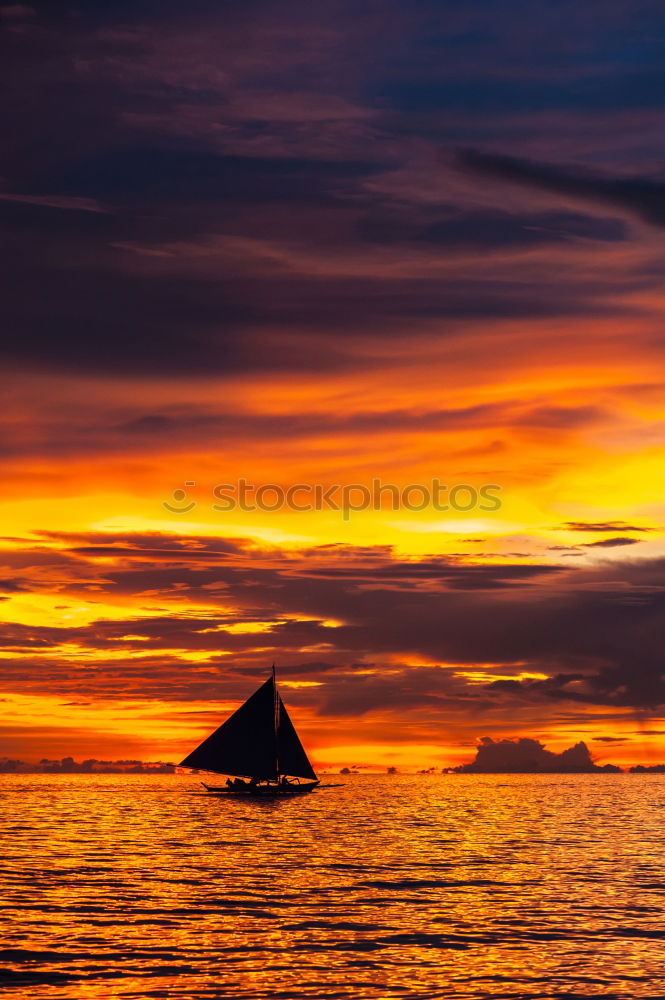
427, 886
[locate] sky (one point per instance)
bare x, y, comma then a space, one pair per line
326, 245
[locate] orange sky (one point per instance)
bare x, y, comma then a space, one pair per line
331, 294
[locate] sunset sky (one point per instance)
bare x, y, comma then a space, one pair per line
306, 243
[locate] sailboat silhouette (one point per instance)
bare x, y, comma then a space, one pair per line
258, 743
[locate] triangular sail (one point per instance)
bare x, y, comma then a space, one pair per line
244, 745
254, 742
291, 754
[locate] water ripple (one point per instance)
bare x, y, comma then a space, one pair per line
466, 887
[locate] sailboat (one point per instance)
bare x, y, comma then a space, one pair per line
258, 748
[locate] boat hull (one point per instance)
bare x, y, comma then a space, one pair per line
262, 791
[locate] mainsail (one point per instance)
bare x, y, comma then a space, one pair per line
257, 741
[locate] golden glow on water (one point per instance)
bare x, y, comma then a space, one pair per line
427, 887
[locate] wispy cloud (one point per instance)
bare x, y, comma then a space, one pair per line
641, 196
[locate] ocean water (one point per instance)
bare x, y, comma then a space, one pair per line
447, 886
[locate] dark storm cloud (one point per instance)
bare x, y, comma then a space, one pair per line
577, 627
641, 196
187, 632
149, 544
454, 616
177, 428
528, 756
98, 318
13, 586
603, 526
487, 229
455, 575
411, 688
148, 175
611, 543
84, 291
135, 126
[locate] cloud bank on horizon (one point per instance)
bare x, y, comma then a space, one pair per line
308, 244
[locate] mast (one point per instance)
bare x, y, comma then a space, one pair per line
275, 720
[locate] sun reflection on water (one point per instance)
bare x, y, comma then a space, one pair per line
427, 886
